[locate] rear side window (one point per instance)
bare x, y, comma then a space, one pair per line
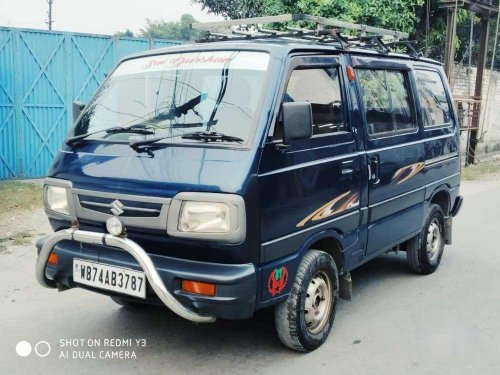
386, 101
321, 88
433, 99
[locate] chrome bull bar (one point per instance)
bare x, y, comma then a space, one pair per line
129, 246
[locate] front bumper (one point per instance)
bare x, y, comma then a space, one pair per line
236, 284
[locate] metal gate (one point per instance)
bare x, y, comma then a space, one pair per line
41, 74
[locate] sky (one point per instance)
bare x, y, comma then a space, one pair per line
96, 16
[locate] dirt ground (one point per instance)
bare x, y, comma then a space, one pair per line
20, 228
22, 217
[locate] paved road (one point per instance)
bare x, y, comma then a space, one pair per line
445, 323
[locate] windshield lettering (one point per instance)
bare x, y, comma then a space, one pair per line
202, 92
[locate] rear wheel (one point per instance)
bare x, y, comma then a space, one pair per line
424, 251
305, 319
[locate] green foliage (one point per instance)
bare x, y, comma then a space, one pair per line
236, 8
435, 46
393, 14
178, 30
437, 35
404, 15
127, 33
396, 14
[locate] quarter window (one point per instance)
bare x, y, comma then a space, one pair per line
433, 99
320, 87
386, 101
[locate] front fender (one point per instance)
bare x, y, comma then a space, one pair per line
274, 290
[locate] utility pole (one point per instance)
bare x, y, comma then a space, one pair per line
49, 22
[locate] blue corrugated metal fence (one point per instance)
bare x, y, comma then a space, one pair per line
41, 74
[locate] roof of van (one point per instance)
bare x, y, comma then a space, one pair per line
280, 47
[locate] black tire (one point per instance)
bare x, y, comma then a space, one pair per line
422, 259
290, 315
127, 303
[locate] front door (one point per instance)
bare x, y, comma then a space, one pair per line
316, 182
394, 152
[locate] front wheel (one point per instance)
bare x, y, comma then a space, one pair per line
305, 319
424, 251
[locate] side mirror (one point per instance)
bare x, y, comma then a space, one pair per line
78, 107
297, 121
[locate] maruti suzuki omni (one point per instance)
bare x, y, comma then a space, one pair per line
222, 178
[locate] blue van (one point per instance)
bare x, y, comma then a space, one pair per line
222, 178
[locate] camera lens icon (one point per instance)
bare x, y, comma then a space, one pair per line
42, 348
24, 348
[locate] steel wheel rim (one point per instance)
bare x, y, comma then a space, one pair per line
434, 240
318, 303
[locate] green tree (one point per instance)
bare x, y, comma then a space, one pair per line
396, 14
178, 30
127, 33
235, 8
435, 45
405, 15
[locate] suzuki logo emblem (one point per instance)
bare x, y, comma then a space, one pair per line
117, 208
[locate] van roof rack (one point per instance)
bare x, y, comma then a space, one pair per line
327, 30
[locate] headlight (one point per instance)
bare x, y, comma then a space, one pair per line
212, 217
56, 199
204, 217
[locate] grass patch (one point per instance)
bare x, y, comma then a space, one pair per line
481, 171
2, 245
19, 196
19, 239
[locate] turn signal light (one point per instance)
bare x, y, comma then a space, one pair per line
350, 73
52, 259
197, 287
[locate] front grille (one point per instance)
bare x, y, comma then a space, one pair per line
135, 211
122, 207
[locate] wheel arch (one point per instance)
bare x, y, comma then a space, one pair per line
442, 197
330, 242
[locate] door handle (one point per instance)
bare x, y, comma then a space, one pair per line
374, 169
348, 167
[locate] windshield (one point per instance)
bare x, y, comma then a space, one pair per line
175, 94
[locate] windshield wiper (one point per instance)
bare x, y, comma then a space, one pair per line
114, 130
201, 136
211, 137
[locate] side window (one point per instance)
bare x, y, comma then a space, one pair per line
386, 101
433, 99
320, 87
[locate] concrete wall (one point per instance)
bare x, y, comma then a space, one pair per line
489, 132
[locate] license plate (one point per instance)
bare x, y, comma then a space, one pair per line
116, 279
